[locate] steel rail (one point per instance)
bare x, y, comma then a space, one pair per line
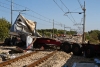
15, 59
41, 60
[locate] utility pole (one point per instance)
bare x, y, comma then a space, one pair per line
53, 29
14, 10
83, 39
64, 29
83, 36
11, 11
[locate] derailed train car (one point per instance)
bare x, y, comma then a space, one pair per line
24, 36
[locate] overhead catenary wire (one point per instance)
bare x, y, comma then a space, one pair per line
62, 9
80, 4
64, 12
69, 12
32, 11
4, 7
57, 23
4, 3
14, 14
27, 15
58, 6
37, 17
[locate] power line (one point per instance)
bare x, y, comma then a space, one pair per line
31, 15
70, 13
28, 15
61, 8
68, 10
37, 18
64, 4
80, 4
58, 5
32, 11
4, 10
4, 7
40, 19
3, 3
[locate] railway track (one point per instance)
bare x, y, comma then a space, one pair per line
28, 60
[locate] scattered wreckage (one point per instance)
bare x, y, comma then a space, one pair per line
25, 37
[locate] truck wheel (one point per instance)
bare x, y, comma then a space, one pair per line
67, 47
89, 51
14, 39
7, 42
76, 49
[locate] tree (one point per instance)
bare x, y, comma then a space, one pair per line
87, 36
94, 36
4, 28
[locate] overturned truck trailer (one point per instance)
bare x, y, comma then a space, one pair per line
24, 35
22, 32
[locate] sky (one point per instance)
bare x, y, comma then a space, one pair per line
45, 12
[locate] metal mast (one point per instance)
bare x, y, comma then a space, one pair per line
11, 11
83, 41
53, 29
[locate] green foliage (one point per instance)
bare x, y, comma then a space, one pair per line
4, 28
87, 36
60, 32
93, 36
48, 32
73, 32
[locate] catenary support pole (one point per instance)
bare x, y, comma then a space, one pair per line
83, 39
11, 11
53, 29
